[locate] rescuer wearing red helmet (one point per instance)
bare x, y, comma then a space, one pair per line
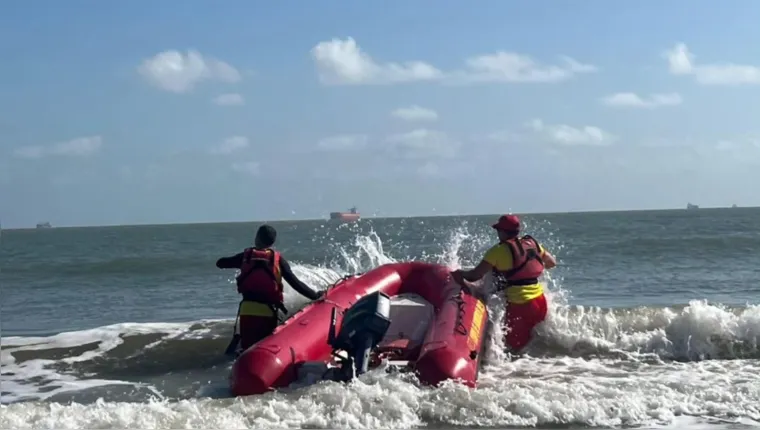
516, 263
262, 270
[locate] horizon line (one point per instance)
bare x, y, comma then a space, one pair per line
264, 221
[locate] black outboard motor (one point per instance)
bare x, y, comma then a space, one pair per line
364, 326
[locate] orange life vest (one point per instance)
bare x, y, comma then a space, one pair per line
527, 264
260, 279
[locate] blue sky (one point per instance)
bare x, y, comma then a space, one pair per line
137, 112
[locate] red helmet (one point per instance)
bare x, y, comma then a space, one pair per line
508, 223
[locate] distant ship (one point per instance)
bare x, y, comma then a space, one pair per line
691, 207
734, 206
44, 225
349, 216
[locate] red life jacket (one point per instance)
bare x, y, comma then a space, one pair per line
260, 279
527, 264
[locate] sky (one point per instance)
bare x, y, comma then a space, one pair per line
167, 112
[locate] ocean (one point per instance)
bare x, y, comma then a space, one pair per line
654, 323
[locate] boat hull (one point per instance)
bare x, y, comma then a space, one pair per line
451, 348
343, 216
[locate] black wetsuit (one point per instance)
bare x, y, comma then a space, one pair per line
236, 261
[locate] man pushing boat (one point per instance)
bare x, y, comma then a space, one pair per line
516, 263
262, 270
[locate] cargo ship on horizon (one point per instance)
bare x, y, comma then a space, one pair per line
351, 215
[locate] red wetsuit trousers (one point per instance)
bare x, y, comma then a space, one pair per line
520, 321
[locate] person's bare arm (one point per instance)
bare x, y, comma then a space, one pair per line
549, 261
478, 272
464, 277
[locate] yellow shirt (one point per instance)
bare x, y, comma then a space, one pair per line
501, 259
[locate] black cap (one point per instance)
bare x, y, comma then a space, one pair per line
265, 236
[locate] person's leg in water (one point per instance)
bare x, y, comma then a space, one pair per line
520, 320
257, 321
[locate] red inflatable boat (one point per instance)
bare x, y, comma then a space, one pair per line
419, 317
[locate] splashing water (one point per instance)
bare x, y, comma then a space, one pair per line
588, 367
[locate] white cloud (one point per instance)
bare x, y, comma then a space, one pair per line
230, 145
681, 62
415, 113
247, 167
343, 142
679, 59
424, 143
517, 68
79, 147
177, 72
636, 101
342, 62
744, 146
229, 100
567, 135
